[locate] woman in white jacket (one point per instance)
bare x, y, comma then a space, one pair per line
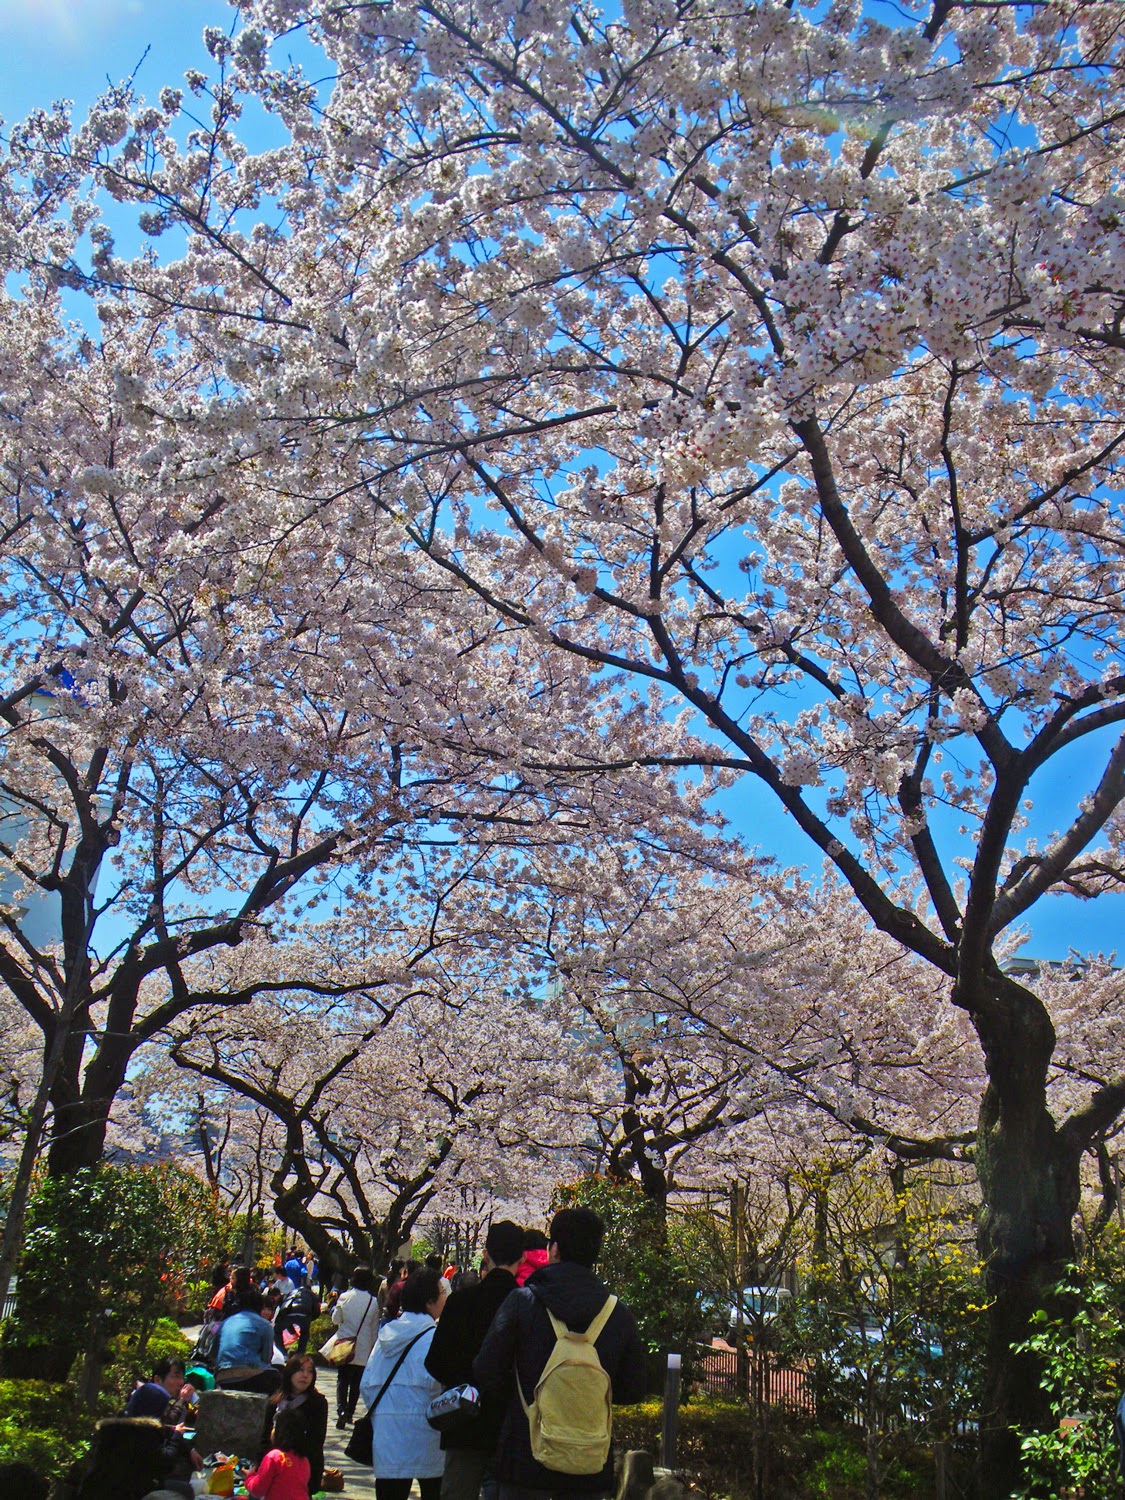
356, 1316
405, 1446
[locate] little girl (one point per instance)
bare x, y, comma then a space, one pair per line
284, 1473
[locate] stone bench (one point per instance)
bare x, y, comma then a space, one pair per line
230, 1422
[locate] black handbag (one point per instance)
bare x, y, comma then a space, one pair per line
360, 1446
455, 1410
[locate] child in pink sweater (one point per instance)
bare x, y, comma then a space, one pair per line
284, 1472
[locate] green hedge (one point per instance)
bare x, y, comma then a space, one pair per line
717, 1444
320, 1331
41, 1425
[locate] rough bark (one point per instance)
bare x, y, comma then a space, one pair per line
1029, 1174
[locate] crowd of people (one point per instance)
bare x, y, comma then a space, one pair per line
495, 1337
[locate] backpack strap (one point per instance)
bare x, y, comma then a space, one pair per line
594, 1332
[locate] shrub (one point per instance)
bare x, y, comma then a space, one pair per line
42, 1425
1078, 1345
723, 1452
128, 1356
320, 1331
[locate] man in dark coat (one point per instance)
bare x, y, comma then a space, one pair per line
521, 1339
465, 1319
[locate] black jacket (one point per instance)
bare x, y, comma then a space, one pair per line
464, 1321
313, 1416
521, 1338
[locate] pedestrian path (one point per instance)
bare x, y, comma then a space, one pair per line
358, 1481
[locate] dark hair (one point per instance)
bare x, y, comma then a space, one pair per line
363, 1277
434, 1263
410, 1267
24, 1481
394, 1273
241, 1279
288, 1431
294, 1363
578, 1233
164, 1367
421, 1287
504, 1242
252, 1300
534, 1239
220, 1275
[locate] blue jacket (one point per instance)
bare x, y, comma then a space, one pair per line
245, 1339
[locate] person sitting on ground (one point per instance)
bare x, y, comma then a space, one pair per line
220, 1277
241, 1282
284, 1472
245, 1353
152, 1397
298, 1394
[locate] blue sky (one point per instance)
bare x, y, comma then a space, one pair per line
55, 49
65, 49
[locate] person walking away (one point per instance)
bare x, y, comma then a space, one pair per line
534, 1255
470, 1446
404, 1445
295, 1267
555, 1440
284, 1473
294, 1316
356, 1316
297, 1394
391, 1306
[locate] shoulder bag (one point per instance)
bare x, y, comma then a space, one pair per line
338, 1351
361, 1444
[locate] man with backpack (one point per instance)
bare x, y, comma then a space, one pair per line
565, 1350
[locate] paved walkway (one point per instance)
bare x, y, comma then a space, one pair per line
358, 1482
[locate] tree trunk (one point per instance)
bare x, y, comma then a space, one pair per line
334, 1258
1029, 1178
21, 1183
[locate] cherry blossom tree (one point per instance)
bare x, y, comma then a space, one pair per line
384, 1115
768, 357
211, 712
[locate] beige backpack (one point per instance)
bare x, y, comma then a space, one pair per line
570, 1417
